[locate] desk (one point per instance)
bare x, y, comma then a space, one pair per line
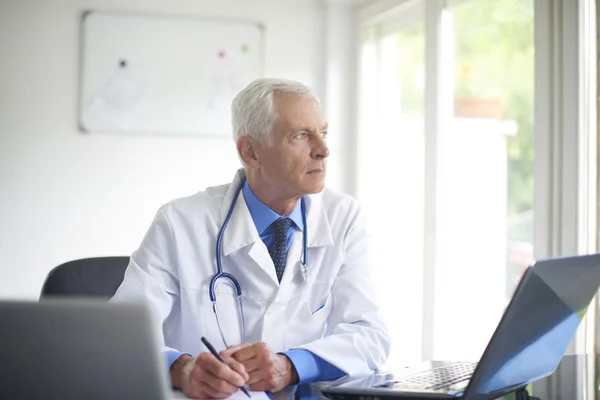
576, 378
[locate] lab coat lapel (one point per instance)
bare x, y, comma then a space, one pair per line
241, 231
319, 234
260, 254
319, 229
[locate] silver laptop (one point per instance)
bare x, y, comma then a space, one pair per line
528, 344
79, 349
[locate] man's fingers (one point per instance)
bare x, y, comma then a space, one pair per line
255, 377
232, 349
259, 375
219, 386
207, 392
237, 367
202, 385
194, 388
259, 387
249, 352
207, 382
252, 365
220, 370
244, 354
262, 386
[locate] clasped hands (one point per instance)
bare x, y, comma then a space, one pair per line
255, 364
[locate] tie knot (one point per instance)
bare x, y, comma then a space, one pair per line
282, 225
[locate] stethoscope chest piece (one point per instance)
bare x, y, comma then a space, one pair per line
304, 271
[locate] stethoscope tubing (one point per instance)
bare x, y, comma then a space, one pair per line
220, 274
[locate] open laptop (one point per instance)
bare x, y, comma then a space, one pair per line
79, 349
528, 344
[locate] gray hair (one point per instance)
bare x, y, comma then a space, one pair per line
253, 111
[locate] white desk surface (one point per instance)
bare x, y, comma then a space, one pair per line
239, 395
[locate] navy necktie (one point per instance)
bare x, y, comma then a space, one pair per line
277, 248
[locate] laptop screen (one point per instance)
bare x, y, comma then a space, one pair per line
538, 324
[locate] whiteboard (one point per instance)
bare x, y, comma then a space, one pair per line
164, 74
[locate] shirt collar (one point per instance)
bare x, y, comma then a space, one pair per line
263, 216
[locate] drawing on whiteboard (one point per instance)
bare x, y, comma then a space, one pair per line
228, 72
116, 100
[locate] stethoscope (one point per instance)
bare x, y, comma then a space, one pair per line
231, 280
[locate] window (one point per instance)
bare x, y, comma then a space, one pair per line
392, 104
460, 188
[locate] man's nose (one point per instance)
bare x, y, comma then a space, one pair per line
320, 149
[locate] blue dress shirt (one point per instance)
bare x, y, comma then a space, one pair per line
309, 366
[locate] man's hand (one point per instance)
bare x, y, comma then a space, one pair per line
268, 371
206, 377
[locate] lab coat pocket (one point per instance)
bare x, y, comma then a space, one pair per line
319, 308
309, 321
320, 304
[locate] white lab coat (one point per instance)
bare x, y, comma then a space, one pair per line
176, 260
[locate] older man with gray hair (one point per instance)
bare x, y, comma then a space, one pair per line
278, 278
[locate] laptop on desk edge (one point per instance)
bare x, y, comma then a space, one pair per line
80, 349
528, 344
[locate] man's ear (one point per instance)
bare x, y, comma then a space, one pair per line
246, 147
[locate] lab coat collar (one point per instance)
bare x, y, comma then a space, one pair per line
241, 230
319, 229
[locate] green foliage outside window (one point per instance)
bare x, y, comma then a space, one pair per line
494, 58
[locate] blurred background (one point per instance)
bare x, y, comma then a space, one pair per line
466, 128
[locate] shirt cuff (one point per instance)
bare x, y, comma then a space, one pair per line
172, 355
312, 368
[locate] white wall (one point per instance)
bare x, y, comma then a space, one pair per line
66, 195
341, 87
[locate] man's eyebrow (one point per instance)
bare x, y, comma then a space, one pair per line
306, 129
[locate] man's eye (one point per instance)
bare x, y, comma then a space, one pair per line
300, 136
324, 135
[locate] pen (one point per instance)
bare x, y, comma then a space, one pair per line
243, 388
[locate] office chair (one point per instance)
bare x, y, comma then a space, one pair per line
88, 277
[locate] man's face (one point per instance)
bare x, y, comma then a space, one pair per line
293, 163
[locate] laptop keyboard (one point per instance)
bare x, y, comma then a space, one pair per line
435, 379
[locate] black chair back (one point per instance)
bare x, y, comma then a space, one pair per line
88, 277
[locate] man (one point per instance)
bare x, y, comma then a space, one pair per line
295, 323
